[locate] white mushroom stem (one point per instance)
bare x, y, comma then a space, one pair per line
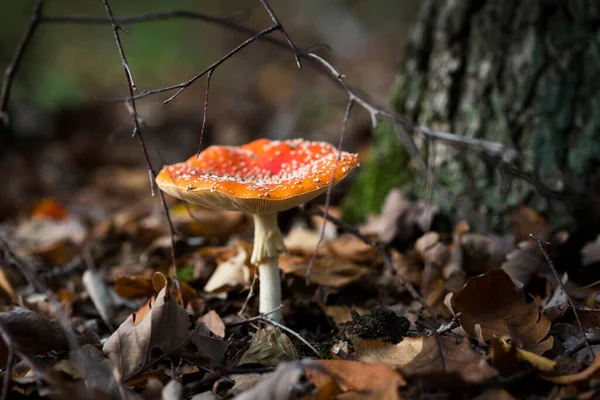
268, 244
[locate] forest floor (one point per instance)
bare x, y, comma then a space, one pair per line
392, 309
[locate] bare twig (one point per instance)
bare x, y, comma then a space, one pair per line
504, 157
255, 318
138, 132
13, 66
204, 113
329, 187
540, 244
285, 35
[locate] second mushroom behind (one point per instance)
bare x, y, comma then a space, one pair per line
260, 178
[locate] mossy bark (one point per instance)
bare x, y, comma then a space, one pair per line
524, 74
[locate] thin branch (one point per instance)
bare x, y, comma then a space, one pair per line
502, 155
540, 244
180, 87
255, 318
284, 33
313, 259
205, 111
138, 132
13, 66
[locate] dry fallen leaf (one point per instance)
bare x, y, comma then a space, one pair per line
231, 273
305, 240
35, 334
385, 226
328, 271
421, 355
213, 321
491, 305
354, 379
166, 329
524, 262
351, 248
270, 347
131, 287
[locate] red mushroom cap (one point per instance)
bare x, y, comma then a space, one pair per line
260, 177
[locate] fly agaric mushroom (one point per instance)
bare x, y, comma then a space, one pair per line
260, 178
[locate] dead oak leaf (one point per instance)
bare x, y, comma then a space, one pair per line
269, 347
491, 305
354, 380
327, 271
421, 356
165, 330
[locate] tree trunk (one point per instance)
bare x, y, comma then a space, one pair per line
521, 73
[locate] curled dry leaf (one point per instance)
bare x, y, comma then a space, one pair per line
328, 271
231, 273
269, 347
491, 305
165, 330
421, 356
35, 334
354, 380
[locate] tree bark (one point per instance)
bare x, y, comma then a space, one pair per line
521, 73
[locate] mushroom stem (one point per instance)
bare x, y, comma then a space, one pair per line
268, 244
